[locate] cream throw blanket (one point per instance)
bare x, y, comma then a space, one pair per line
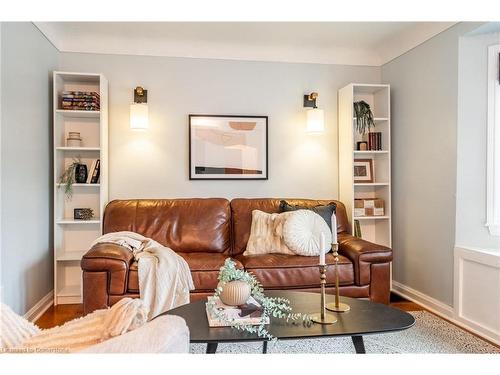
164, 277
19, 335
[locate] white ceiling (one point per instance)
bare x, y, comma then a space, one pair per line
352, 43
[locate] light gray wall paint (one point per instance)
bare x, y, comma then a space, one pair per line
472, 141
26, 196
154, 164
424, 84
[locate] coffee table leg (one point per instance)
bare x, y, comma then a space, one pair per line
264, 347
359, 344
211, 347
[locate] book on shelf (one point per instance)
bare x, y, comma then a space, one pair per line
249, 313
94, 172
80, 100
375, 141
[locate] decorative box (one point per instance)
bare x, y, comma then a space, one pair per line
368, 207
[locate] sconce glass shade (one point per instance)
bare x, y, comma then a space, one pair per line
139, 116
315, 120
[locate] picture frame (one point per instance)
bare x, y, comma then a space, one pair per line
228, 147
363, 171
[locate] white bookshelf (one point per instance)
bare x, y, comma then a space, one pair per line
72, 238
377, 229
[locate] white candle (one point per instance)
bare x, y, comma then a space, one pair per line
334, 229
322, 240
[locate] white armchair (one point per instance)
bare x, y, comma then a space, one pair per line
165, 334
120, 329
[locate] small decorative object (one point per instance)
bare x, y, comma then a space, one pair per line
363, 170
368, 207
74, 139
227, 147
81, 173
364, 117
235, 293
83, 213
362, 146
271, 306
68, 178
357, 229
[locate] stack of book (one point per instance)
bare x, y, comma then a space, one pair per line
249, 313
80, 100
94, 171
375, 141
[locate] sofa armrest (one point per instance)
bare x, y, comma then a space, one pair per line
363, 254
112, 259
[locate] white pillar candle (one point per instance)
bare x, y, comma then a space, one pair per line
334, 229
322, 241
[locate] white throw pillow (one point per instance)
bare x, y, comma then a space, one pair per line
302, 232
266, 234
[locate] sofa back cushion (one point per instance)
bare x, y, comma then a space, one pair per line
241, 214
184, 225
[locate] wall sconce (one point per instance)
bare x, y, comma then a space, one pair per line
139, 113
315, 116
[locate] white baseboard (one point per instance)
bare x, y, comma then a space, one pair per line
40, 307
426, 301
438, 308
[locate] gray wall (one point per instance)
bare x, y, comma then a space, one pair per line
424, 84
154, 164
472, 133
26, 197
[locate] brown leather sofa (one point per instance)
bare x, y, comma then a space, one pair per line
207, 231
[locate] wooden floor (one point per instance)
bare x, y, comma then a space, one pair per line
61, 314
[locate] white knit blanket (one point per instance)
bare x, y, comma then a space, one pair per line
19, 335
164, 277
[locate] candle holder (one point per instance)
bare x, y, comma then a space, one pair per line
322, 317
337, 306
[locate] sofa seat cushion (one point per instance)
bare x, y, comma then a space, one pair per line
204, 270
280, 271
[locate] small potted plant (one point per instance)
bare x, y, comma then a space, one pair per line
232, 277
364, 117
69, 177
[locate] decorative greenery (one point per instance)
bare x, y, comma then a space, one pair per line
68, 178
364, 117
272, 306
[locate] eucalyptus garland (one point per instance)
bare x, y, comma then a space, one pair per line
364, 116
275, 307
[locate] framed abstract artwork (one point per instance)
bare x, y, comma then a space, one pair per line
228, 147
363, 170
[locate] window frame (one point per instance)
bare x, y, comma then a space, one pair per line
493, 142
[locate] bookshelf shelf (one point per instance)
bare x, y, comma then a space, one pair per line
371, 184
78, 114
376, 120
81, 185
70, 256
372, 217
69, 291
375, 229
78, 148
67, 221
371, 152
72, 238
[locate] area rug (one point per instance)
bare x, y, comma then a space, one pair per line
430, 334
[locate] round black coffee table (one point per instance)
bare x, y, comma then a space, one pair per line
364, 318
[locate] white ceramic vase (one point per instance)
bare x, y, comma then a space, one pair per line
235, 293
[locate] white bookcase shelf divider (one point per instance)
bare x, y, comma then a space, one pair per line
377, 229
72, 237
